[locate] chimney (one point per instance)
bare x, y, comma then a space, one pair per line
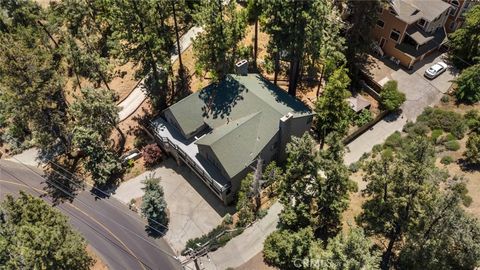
241, 67
285, 135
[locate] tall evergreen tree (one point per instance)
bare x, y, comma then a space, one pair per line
333, 114
297, 30
464, 41
351, 250
33, 235
32, 93
146, 38
360, 22
216, 48
153, 205
399, 186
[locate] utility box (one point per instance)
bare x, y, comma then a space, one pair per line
241, 67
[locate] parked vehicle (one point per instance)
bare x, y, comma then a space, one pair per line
435, 70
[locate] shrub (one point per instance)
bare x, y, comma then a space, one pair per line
472, 120
436, 133
394, 140
445, 99
151, 155
452, 145
445, 120
227, 219
377, 148
140, 141
216, 238
391, 98
468, 85
363, 118
261, 213
354, 167
446, 160
418, 128
472, 152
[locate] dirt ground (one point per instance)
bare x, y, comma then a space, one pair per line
99, 264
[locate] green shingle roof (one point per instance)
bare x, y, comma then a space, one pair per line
243, 113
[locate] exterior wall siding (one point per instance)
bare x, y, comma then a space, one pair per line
391, 22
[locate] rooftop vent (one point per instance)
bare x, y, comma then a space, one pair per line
241, 67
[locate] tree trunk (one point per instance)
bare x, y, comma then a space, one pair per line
320, 80
293, 80
387, 255
255, 45
277, 67
178, 38
48, 33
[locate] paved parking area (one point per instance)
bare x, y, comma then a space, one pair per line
420, 92
193, 208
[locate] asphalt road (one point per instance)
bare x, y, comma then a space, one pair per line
116, 234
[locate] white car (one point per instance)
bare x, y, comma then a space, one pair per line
435, 70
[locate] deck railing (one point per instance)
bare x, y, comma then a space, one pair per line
190, 162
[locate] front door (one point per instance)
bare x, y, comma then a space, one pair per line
382, 42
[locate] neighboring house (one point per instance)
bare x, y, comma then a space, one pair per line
456, 15
220, 131
408, 30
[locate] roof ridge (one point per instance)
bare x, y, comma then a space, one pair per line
240, 122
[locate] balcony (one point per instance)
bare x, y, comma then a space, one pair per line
187, 151
418, 42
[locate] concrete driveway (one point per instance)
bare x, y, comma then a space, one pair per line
420, 93
193, 209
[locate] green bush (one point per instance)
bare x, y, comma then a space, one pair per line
377, 148
262, 213
418, 128
227, 219
472, 152
445, 120
436, 133
445, 99
446, 160
354, 167
391, 98
472, 120
363, 118
394, 140
452, 145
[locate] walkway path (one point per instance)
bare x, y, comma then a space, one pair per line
420, 92
130, 104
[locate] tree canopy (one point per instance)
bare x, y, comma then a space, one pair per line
464, 41
468, 85
332, 111
154, 207
33, 235
216, 49
391, 98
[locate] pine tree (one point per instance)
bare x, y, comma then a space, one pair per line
146, 38
154, 207
333, 114
297, 30
36, 236
216, 48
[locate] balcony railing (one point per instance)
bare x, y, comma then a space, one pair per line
191, 163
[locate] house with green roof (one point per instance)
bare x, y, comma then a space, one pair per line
220, 131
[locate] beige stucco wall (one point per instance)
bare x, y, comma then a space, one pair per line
391, 22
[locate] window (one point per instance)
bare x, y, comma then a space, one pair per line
392, 12
380, 23
421, 22
395, 35
453, 8
452, 25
